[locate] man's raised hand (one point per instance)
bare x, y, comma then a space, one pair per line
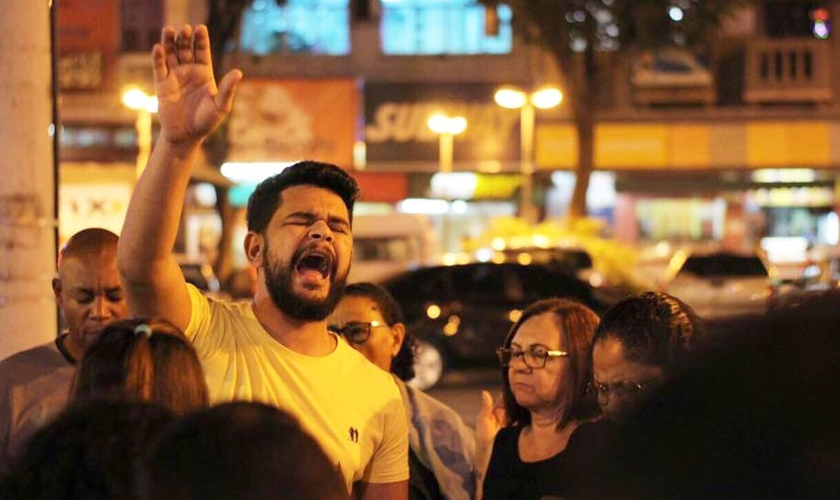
190, 105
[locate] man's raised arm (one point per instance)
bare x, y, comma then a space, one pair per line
190, 107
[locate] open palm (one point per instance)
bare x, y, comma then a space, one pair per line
190, 105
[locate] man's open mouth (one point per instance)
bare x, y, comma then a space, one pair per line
316, 261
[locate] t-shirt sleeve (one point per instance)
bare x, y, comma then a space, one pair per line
390, 461
200, 313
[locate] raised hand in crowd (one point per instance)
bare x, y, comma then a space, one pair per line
190, 105
491, 417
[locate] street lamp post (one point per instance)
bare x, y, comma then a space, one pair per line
447, 127
137, 100
513, 98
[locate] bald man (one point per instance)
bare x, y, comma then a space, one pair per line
35, 384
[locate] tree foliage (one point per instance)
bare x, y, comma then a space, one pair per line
573, 30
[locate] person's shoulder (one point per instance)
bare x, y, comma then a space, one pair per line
593, 437
242, 306
364, 372
431, 404
508, 433
38, 355
212, 319
31, 363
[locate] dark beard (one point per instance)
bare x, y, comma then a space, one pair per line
278, 281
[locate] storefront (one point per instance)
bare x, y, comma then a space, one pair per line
735, 183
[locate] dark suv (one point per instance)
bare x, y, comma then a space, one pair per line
465, 311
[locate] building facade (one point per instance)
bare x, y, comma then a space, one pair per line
736, 145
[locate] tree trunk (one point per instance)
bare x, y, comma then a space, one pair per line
27, 193
584, 117
223, 26
224, 263
585, 124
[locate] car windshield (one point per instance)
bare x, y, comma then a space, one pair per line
724, 265
564, 259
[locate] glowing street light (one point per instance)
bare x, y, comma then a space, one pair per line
447, 127
137, 100
527, 104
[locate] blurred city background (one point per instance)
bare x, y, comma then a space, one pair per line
692, 148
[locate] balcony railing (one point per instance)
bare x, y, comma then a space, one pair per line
789, 70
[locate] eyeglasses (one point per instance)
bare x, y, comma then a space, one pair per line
356, 332
625, 389
536, 356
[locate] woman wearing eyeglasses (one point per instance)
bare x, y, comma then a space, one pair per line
546, 366
640, 342
442, 448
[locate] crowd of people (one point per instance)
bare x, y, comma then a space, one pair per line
156, 391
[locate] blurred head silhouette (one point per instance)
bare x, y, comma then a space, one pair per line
241, 451
92, 451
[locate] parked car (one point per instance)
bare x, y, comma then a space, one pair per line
572, 260
671, 68
671, 76
720, 284
462, 313
385, 245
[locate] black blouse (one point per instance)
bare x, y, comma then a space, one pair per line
509, 478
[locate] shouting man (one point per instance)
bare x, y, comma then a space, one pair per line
277, 348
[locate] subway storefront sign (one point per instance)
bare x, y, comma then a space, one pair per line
398, 138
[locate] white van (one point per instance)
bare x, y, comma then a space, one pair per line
386, 245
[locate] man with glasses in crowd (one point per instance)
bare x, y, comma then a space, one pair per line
275, 349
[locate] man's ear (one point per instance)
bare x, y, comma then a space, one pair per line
254, 248
56, 286
398, 333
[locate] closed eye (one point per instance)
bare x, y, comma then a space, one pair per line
339, 227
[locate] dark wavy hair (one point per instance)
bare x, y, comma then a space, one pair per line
265, 199
92, 450
654, 328
403, 363
142, 360
577, 322
241, 450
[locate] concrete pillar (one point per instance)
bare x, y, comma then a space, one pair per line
27, 190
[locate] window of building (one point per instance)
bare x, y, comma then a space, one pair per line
320, 27
797, 19
429, 27
140, 22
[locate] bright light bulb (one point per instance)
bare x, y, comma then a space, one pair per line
676, 14
438, 123
547, 97
457, 124
510, 98
136, 99
443, 124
